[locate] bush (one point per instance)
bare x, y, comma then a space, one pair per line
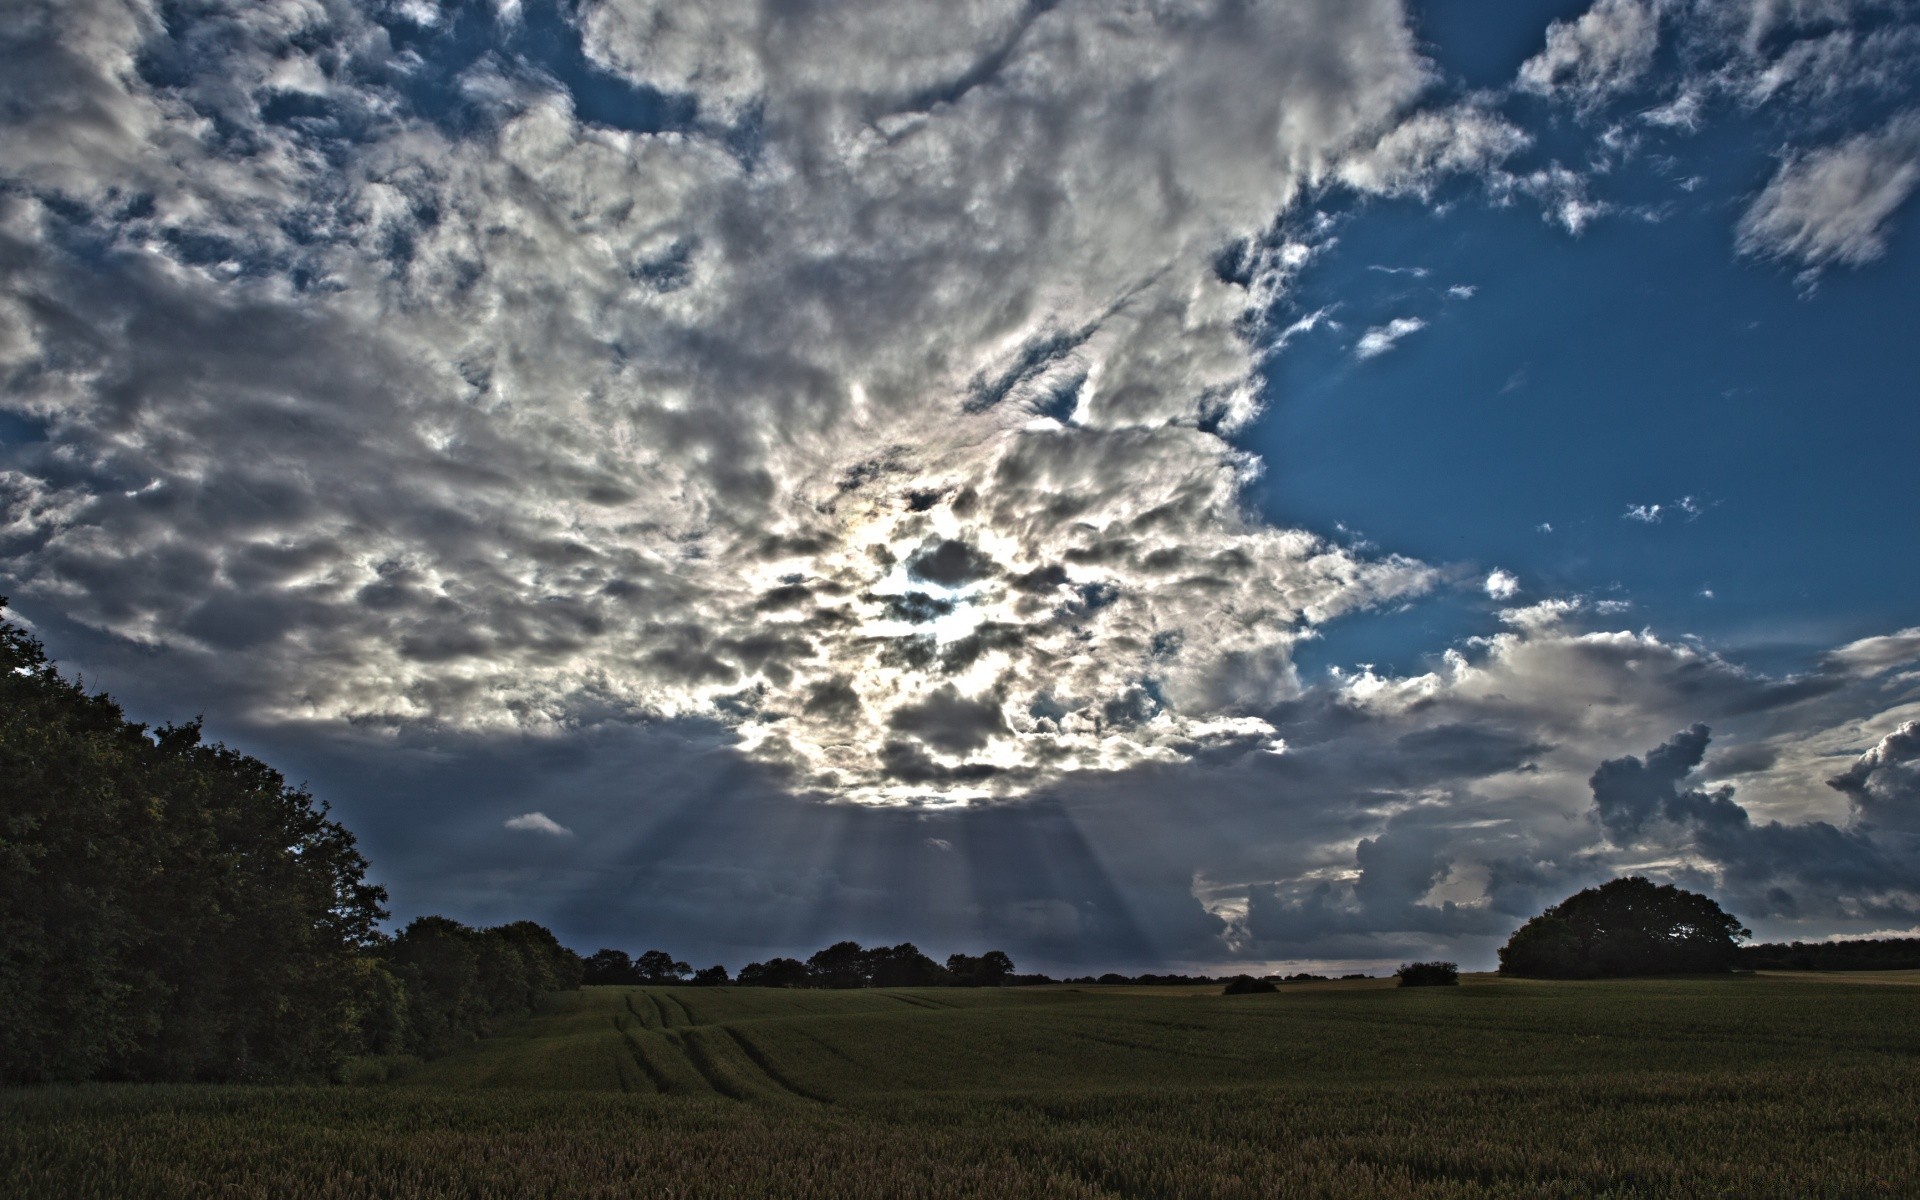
1428, 974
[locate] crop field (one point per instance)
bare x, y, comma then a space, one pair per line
1749, 1086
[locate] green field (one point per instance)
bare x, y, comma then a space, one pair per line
1750, 1086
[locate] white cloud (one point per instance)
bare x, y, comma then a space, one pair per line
1646, 514
1607, 48
523, 422
1834, 205
1502, 585
1414, 155
1462, 291
537, 822
1381, 338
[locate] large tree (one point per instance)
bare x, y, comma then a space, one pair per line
169, 909
1629, 926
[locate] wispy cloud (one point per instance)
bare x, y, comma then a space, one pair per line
1834, 205
1381, 338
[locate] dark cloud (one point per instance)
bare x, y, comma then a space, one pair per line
950, 722
951, 563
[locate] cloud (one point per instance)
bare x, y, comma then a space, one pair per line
453, 400
537, 822
1834, 205
1413, 156
1381, 338
1502, 585
1607, 48
1646, 514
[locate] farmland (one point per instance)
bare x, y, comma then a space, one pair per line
1755, 1085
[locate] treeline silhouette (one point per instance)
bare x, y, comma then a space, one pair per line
841, 965
1862, 954
173, 910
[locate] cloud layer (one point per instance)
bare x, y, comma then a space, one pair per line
637, 413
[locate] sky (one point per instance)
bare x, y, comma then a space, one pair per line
1170, 484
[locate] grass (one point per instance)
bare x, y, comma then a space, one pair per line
1751, 1086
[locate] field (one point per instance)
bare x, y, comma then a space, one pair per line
1750, 1086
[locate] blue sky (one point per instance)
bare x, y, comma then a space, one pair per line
1180, 485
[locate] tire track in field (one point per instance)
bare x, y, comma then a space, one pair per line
666, 1022
684, 1010
759, 1059
710, 1070
915, 1001
638, 1053
638, 1015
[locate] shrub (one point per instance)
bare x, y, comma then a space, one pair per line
1428, 974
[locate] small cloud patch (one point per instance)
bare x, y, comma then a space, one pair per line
538, 822
1381, 338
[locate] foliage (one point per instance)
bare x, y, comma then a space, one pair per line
1625, 927
1247, 985
1658, 1088
173, 910
1428, 974
847, 965
458, 983
1857, 954
992, 969
776, 973
169, 909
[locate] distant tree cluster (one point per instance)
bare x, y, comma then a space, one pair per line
654, 966
171, 909
851, 965
1428, 974
1625, 927
438, 983
1860, 954
1247, 985
841, 965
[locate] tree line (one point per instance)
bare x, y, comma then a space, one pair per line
841, 965
174, 910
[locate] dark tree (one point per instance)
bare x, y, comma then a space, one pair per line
901, 966
841, 965
1247, 985
169, 909
713, 976
992, 969
1626, 927
776, 972
609, 966
1428, 974
657, 966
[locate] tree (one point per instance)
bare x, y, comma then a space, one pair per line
1247, 985
991, 969
841, 965
609, 966
714, 976
657, 966
901, 966
775, 972
169, 909
1625, 927
1428, 974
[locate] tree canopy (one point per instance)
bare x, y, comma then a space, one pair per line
1628, 926
171, 909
